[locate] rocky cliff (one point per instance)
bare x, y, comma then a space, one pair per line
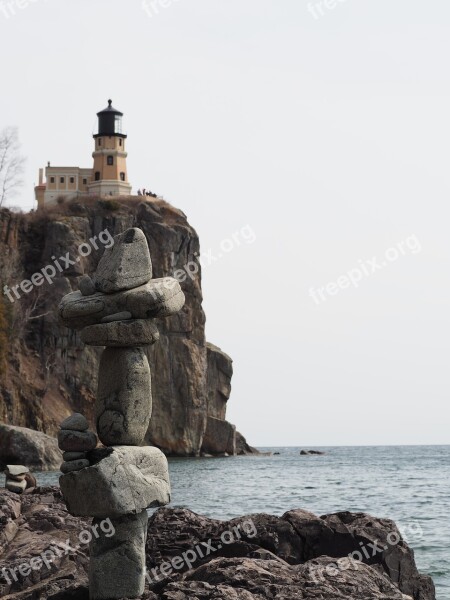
46, 372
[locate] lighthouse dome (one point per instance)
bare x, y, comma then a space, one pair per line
110, 121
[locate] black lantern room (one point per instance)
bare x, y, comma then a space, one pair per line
110, 122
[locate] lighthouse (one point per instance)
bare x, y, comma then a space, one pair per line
108, 176
110, 157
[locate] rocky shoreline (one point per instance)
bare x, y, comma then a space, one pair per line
299, 556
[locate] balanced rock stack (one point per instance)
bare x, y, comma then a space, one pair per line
19, 479
122, 479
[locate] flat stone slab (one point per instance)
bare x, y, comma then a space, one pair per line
125, 265
125, 481
120, 334
17, 469
123, 316
68, 456
123, 406
76, 422
158, 298
74, 465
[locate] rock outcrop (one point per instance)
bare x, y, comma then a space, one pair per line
50, 373
36, 450
298, 556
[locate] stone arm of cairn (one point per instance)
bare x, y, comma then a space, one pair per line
122, 478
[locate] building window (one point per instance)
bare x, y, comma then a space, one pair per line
52, 180
84, 181
61, 180
99, 141
122, 177
120, 141
110, 160
72, 180
97, 175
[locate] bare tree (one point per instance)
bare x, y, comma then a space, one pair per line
12, 164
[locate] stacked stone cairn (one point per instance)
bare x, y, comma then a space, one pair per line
122, 478
19, 480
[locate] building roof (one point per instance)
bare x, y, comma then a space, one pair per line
110, 109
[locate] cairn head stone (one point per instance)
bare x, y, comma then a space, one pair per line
126, 265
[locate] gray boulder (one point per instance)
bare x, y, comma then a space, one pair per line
120, 334
24, 446
125, 265
125, 480
124, 398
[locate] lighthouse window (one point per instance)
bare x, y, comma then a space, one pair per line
110, 160
97, 175
120, 141
99, 141
122, 177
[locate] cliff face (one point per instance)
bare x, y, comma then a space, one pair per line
48, 372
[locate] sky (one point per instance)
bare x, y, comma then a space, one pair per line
308, 144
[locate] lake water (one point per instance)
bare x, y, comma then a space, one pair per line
409, 484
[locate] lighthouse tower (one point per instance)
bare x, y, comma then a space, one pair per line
109, 176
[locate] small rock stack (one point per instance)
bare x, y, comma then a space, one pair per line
76, 441
19, 479
119, 481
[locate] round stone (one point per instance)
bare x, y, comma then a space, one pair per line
86, 285
75, 422
76, 441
